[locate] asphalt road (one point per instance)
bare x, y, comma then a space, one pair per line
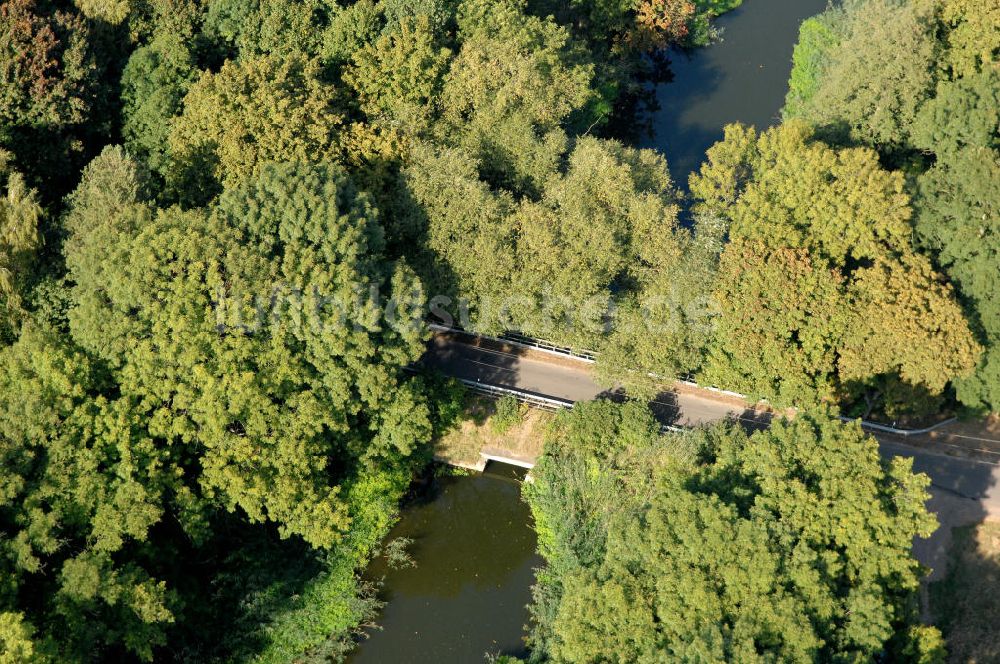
557, 378
494, 366
962, 490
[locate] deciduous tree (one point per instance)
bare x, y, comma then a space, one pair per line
104, 214
613, 205
973, 35
50, 95
83, 485
398, 78
958, 205
820, 271
780, 322
929, 105
660, 23
20, 214
155, 80
906, 322
253, 28
548, 266
790, 544
252, 111
879, 73
247, 337
819, 38
16, 645
44, 65
511, 89
111, 11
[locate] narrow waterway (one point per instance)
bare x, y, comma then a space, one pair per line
473, 542
742, 78
467, 596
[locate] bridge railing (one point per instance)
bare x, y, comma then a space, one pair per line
590, 357
541, 344
523, 341
534, 400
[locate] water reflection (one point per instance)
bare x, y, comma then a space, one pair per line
475, 554
742, 78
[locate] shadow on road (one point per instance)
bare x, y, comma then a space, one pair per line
755, 420
666, 408
470, 358
959, 492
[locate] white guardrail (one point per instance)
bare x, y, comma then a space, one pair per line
530, 398
535, 400
547, 403
518, 339
898, 432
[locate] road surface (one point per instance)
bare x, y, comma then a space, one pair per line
492, 364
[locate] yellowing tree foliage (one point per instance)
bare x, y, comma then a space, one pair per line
251, 112
820, 284
20, 214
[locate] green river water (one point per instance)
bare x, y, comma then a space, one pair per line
473, 543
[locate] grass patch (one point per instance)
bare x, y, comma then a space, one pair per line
520, 431
966, 603
507, 414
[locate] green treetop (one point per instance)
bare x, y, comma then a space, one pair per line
252, 111
83, 486
820, 272
398, 78
792, 544
918, 81
155, 80
20, 214
958, 208
972, 29
246, 336
879, 66
512, 87
548, 266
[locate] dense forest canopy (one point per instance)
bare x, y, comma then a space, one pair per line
918, 82
223, 223
792, 544
820, 288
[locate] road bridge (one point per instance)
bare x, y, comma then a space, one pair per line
962, 491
